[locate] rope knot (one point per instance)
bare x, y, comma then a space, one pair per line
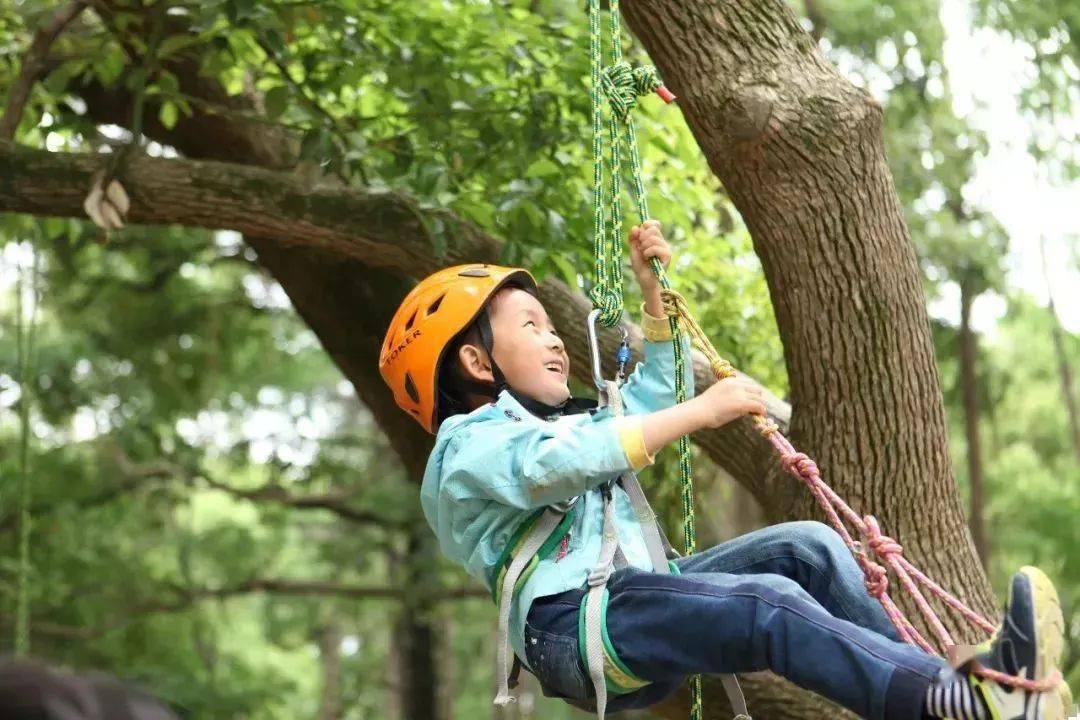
881, 545
877, 579
799, 464
767, 428
674, 303
722, 369
623, 85
609, 302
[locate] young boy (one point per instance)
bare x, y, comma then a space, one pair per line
472, 354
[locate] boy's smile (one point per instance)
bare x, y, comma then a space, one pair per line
529, 352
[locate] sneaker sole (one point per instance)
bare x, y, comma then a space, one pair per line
1050, 639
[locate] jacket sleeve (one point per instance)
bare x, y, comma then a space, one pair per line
530, 465
651, 386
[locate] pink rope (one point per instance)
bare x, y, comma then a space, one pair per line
874, 544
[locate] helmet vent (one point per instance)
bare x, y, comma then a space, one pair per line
433, 307
412, 319
474, 272
410, 388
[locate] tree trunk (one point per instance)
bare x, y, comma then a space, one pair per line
417, 675
330, 662
970, 391
1068, 394
799, 150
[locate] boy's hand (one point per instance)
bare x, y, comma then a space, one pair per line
646, 242
729, 399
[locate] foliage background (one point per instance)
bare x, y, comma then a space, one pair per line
179, 408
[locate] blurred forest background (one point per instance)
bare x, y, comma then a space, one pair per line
214, 510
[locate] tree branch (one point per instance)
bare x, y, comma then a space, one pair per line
285, 587
136, 475
378, 229
33, 63
336, 502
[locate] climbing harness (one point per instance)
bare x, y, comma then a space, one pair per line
538, 537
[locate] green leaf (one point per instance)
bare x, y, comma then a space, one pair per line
59, 79
175, 43
168, 84
168, 114
542, 167
109, 64
276, 100
566, 268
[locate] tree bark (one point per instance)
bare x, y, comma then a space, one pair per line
970, 392
799, 149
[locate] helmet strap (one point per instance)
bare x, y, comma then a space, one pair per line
487, 337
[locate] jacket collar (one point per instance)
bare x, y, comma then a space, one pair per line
516, 406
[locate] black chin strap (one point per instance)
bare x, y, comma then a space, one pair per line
487, 337
571, 406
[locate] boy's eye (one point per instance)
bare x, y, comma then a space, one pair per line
528, 323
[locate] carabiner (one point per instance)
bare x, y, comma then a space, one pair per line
622, 356
594, 348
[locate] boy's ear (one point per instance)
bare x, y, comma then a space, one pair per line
475, 363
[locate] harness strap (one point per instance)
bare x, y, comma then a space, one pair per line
535, 539
595, 625
593, 605
735, 697
650, 528
517, 542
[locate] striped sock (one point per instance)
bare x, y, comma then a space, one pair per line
956, 699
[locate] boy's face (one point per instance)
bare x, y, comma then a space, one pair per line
527, 350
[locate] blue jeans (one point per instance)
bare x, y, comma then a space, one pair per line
789, 598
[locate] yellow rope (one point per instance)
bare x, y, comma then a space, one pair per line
675, 306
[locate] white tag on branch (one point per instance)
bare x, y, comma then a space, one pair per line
107, 207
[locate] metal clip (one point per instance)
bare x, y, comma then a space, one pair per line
564, 506
622, 356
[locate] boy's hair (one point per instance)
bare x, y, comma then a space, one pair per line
453, 396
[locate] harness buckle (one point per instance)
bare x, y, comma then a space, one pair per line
564, 506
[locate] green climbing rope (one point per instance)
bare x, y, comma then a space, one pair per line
623, 85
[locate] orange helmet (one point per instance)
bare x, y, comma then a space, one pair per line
429, 318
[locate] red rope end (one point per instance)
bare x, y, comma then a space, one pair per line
665, 94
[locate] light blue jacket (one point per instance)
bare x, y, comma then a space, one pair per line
492, 469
